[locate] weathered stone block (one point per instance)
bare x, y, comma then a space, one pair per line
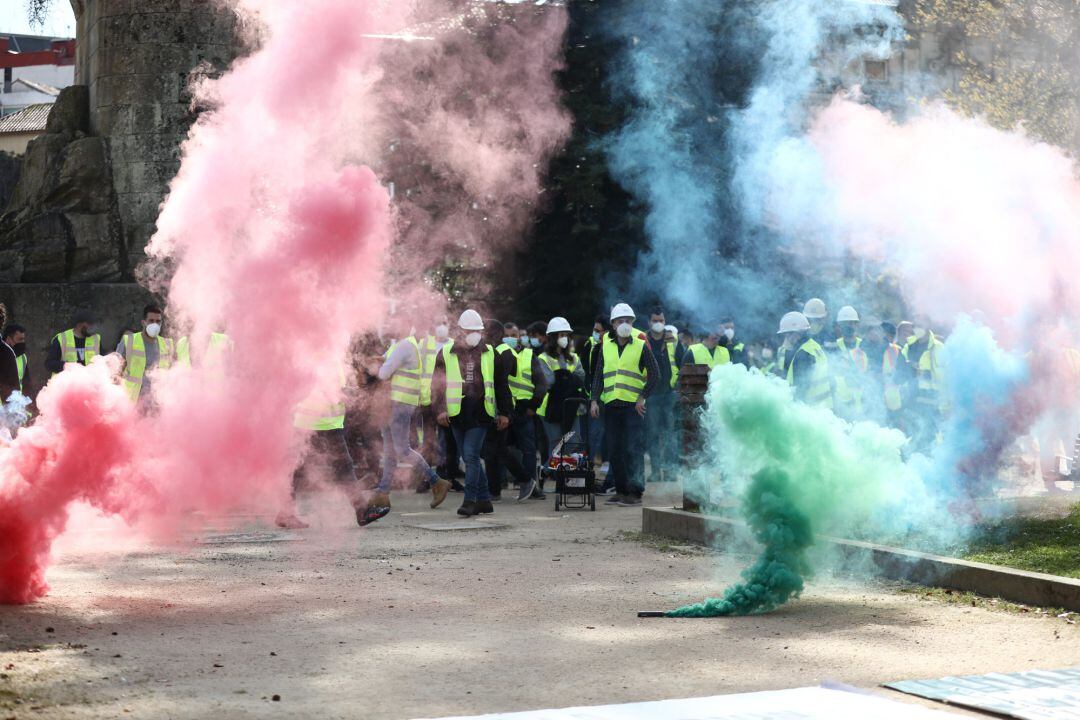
70, 113
83, 183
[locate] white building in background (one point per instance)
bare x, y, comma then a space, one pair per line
35, 69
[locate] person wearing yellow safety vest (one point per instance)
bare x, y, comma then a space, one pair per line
891, 372
659, 426
565, 376
404, 370
79, 344
923, 370
528, 387
498, 459
471, 393
15, 338
625, 375
429, 440
708, 352
817, 315
806, 365
850, 366
214, 356
143, 352
322, 414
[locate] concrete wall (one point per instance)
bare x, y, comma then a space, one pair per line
137, 57
46, 309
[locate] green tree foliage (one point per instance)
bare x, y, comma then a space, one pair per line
1014, 62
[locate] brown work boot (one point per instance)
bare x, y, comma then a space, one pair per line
380, 499
439, 491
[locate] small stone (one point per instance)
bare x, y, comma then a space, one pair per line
275, 698
50, 630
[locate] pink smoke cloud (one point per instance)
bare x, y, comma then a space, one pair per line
278, 232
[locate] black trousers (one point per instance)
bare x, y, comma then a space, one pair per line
498, 460
328, 459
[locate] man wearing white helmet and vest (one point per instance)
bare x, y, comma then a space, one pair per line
624, 376
850, 367
404, 369
818, 315
471, 394
806, 366
144, 352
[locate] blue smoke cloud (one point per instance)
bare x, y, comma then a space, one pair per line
719, 92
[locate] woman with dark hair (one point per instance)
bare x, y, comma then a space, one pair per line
565, 375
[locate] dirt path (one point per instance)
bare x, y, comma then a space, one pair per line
400, 622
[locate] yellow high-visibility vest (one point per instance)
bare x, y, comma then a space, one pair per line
405, 385
701, 355
219, 342
429, 350
820, 392
671, 361
455, 383
553, 365
319, 413
521, 382
845, 395
621, 373
135, 362
888, 375
929, 373
20, 362
70, 354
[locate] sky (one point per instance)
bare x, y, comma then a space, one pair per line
60, 23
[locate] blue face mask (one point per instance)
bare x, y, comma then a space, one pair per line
535, 342
595, 337
511, 341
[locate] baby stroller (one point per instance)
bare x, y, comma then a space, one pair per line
570, 464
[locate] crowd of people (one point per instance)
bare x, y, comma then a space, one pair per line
480, 405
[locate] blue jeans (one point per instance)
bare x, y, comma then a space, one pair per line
471, 447
397, 446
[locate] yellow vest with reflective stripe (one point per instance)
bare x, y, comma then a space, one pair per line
319, 413
929, 375
701, 355
553, 365
521, 382
846, 395
429, 350
70, 354
622, 376
405, 385
820, 392
135, 362
20, 362
671, 361
455, 383
888, 374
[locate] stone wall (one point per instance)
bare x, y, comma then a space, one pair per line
47, 308
91, 186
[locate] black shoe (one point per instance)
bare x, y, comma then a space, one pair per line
468, 509
368, 515
456, 486
483, 507
526, 490
538, 494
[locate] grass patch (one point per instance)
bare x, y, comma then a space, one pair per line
968, 599
1045, 545
659, 543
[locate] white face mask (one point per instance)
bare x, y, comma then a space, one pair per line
658, 328
564, 342
473, 339
729, 333
153, 329
920, 333
766, 354
624, 330
442, 332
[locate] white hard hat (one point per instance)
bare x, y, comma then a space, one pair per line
794, 322
470, 320
622, 310
814, 309
558, 324
671, 329
847, 314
